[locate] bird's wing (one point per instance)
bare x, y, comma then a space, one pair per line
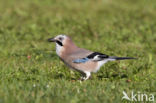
94, 56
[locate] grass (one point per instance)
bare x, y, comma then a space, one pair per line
31, 72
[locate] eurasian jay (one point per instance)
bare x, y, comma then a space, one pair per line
79, 59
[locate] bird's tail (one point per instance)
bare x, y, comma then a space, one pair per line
121, 58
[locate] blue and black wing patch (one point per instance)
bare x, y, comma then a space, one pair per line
94, 56
82, 60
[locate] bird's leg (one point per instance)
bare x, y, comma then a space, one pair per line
87, 75
83, 76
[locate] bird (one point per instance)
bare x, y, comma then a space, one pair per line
79, 59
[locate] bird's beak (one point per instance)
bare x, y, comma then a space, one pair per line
51, 40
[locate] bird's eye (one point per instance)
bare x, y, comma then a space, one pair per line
60, 38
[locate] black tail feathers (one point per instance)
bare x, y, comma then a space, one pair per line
122, 58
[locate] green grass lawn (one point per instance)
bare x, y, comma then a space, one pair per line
31, 72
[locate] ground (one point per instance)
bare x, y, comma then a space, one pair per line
31, 72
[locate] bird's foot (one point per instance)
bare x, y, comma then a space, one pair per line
86, 77
82, 78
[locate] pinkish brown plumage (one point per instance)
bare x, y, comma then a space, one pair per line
80, 59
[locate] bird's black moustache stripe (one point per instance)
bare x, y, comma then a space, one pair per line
59, 43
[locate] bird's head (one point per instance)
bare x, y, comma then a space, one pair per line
63, 42
59, 40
